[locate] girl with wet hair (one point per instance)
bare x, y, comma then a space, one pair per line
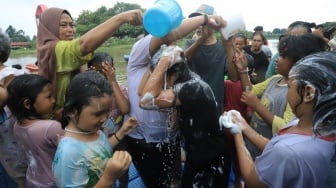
30, 99
172, 85
268, 99
317, 73
304, 148
87, 105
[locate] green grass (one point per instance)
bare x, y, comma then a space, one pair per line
22, 52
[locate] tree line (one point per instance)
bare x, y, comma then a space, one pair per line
89, 19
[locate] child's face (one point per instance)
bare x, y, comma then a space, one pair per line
239, 43
94, 115
45, 101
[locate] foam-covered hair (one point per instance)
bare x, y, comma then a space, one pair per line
319, 71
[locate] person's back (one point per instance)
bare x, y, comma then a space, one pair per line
308, 166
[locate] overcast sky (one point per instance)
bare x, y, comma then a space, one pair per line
268, 13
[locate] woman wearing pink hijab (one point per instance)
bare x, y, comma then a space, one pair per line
60, 54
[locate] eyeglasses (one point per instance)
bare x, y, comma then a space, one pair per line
65, 25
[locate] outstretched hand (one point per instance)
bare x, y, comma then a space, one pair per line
231, 120
216, 22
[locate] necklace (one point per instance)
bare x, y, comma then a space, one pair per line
78, 132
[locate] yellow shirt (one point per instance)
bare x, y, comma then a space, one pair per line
69, 60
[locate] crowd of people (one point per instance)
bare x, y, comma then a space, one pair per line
191, 116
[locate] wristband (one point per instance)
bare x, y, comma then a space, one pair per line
115, 135
244, 71
205, 19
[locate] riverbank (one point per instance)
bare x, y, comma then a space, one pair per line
28, 56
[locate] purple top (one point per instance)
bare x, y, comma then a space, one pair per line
40, 140
294, 160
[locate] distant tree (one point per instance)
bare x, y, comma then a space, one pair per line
277, 31
88, 20
17, 36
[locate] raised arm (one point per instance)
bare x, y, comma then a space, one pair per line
121, 100
229, 51
98, 35
187, 26
153, 96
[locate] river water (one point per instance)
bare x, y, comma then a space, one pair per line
21, 61
121, 77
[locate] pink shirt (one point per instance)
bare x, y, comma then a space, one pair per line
39, 140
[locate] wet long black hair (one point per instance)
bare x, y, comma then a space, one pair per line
83, 87
319, 71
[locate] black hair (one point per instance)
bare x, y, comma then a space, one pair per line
319, 26
181, 71
258, 28
22, 87
100, 57
328, 33
260, 34
319, 71
297, 47
281, 37
4, 47
303, 24
82, 88
241, 35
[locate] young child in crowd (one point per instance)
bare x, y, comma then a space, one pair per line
30, 99
232, 100
87, 106
234, 89
103, 62
268, 98
300, 154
